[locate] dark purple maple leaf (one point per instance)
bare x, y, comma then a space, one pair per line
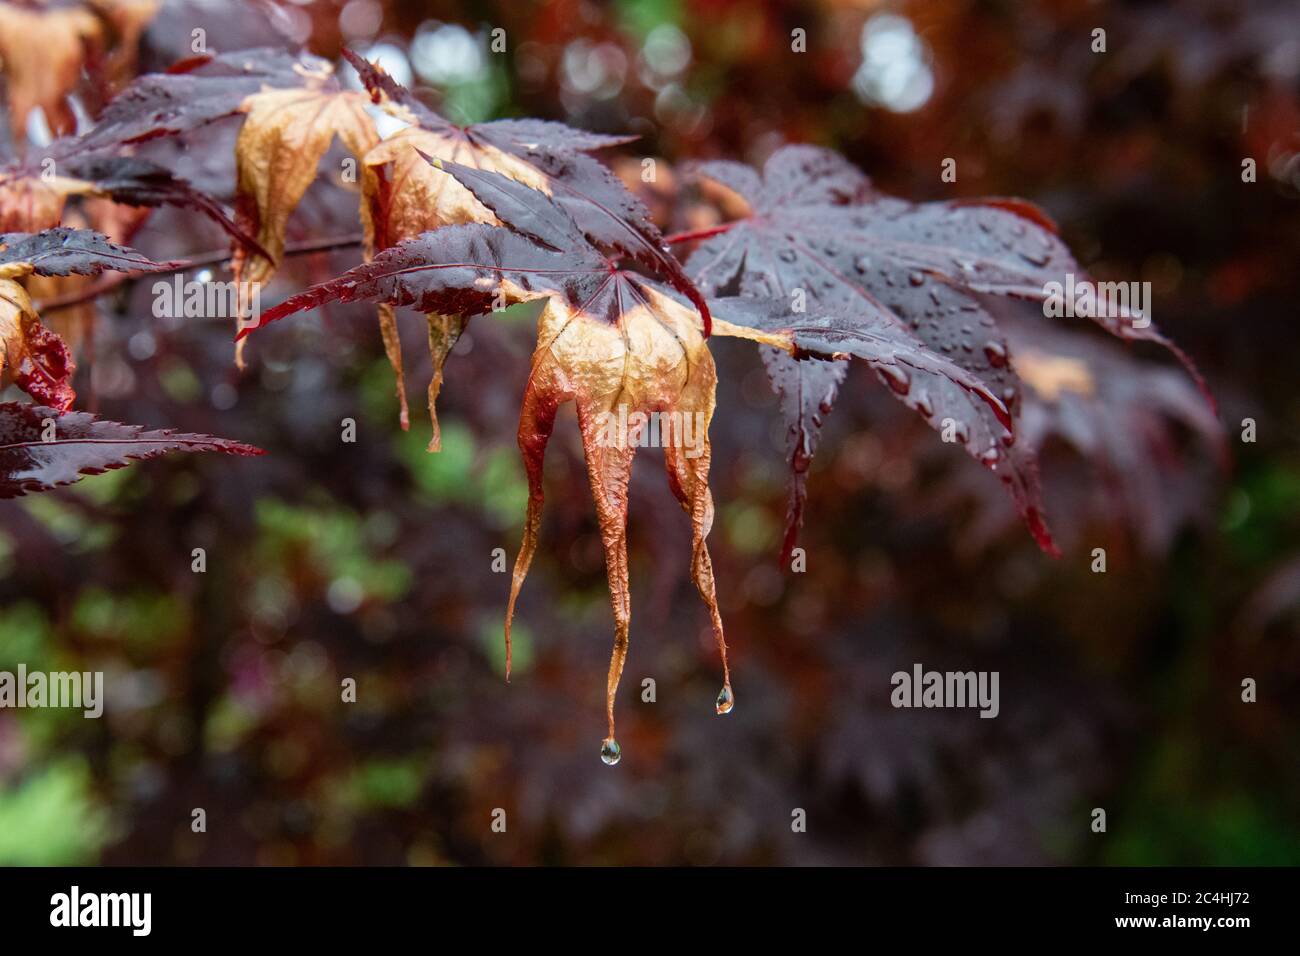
41, 448
1123, 417
64, 251
139, 182
819, 238
194, 93
808, 380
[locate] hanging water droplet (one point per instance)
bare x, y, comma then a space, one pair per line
610, 751
786, 255
862, 264
726, 700
996, 353
915, 278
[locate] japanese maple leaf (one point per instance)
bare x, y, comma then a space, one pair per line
31, 356
615, 342
803, 353
41, 448
31, 201
406, 197
293, 107
64, 251
547, 156
284, 135
818, 237
194, 93
1146, 432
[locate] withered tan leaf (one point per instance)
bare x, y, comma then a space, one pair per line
420, 197
41, 53
627, 350
404, 197
444, 333
284, 136
1049, 375
128, 20
30, 203
651, 361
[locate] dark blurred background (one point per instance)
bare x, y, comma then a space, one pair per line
372, 560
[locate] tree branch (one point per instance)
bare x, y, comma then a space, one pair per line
216, 258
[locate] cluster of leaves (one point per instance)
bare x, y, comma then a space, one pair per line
460, 221
822, 269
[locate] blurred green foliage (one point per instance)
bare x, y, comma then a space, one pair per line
52, 818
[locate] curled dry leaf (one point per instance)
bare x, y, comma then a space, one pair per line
404, 197
42, 52
45, 50
623, 347
41, 448
30, 202
34, 191
407, 196
284, 136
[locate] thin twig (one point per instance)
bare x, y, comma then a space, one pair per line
216, 258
